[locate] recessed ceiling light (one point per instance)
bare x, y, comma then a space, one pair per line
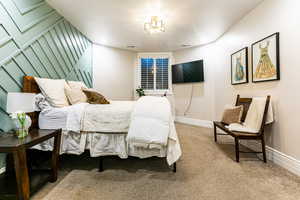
131, 46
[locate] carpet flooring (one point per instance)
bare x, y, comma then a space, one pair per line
206, 171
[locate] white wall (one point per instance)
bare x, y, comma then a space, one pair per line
269, 17
114, 72
202, 98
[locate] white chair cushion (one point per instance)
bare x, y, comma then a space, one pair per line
240, 128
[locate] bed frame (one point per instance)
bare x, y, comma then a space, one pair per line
31, 86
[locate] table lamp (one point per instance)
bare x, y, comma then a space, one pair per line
18, 104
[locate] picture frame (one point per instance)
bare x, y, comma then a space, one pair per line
266, 59
239, 67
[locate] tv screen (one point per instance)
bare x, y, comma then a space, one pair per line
190, 72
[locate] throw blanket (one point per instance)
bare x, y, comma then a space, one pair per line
114, 117
254, 117
150, 122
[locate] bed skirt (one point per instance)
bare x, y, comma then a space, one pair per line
100, 144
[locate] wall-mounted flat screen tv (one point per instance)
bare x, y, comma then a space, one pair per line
191, 72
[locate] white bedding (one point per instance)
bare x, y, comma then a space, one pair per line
101, 118
66, 118
150, 127
56, 118
113, 117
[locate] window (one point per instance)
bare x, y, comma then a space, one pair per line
147, 73
154, 72
162, 73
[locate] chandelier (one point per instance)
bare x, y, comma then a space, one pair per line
156, 25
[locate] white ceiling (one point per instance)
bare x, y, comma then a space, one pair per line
119, 23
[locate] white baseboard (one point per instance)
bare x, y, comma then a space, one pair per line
281, 159
195, 122
2, 170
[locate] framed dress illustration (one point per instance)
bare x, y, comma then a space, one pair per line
239, 67
266, 59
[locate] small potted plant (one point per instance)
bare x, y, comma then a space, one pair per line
140, 91
22, 123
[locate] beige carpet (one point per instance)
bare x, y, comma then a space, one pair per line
206, 171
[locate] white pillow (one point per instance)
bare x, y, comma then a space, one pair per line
75, 95
74, 92
77, 85
54, 91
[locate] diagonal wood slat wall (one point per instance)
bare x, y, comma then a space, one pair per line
35, 40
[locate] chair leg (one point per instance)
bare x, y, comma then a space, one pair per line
237, 149
263, 146
174, 168
215, 133
100, 169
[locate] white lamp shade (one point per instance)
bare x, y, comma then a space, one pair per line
17, 101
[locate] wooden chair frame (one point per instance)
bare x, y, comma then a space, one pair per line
243, 135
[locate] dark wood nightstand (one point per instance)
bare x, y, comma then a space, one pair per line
25, 181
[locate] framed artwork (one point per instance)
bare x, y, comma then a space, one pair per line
239, 67
266, 59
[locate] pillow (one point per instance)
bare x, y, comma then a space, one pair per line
77, 85
232, 114
53, 90
94, 97
74, 92
75, 95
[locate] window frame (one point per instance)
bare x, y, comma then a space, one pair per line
155, 56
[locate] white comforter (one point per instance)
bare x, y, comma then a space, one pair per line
150, 122
152, 127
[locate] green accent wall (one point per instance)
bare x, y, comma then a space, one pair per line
35, 40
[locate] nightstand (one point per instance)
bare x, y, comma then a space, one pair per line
21, 183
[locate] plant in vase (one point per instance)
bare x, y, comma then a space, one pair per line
140, 92
22, 123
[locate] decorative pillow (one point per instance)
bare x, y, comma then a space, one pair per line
53, 90
74, 92
77, 85
232, 114
94, 97
75, 96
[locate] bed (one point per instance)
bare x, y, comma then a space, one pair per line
104, 134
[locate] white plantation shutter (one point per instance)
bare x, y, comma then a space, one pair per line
147, 73
154, 73
162, 73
